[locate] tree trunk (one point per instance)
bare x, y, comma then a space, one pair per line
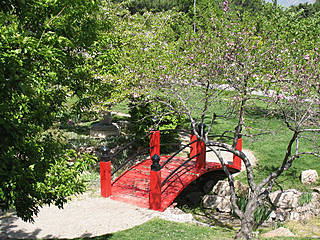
246, 229
247, 221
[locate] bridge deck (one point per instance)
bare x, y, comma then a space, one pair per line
132, 186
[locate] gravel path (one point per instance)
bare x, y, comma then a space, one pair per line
86, 217
79, 218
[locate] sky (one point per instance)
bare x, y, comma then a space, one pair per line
287, 3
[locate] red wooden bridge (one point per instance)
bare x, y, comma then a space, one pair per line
155, 182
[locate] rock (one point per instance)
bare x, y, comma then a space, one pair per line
290, 206
309, 176
210, 201
221, 189
220, 199
287, 199
279, 232
294, 216
316, 189
176, 215
222, 204
241, 189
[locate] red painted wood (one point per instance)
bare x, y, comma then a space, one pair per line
193, 146
154, 143
236, 160
133, 185
201, 159
155, 190
105, 178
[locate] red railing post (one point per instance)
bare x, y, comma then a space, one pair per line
154, 143
201, 159
198, 148
155, 184
236, 160
193, 146
105, 173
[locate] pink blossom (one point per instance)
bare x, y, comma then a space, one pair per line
226, 7
307, 57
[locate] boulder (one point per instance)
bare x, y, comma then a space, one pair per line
222, 204
287, 199
221, 189
210, 201
220, 199
290, 207
309, 176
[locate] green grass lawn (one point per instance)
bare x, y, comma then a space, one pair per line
160, 229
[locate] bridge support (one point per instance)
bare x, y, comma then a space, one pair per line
105, 173
198, 148
201, 160
155, 184
154, 143
236, 160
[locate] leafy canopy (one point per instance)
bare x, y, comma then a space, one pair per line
50, 52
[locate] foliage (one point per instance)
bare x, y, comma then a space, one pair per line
306, 10
261, 213
147, 114
50, 52
141, 6
305, 198
249, 5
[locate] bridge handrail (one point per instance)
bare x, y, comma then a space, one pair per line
138, 153
177, 152
129, 160
174, 171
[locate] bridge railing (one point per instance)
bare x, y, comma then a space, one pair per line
197, 151
106, 172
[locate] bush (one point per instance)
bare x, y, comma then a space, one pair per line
147, 114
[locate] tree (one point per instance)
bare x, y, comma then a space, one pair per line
51, 53
242, 62
141, 6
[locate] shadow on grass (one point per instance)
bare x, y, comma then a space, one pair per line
89, 236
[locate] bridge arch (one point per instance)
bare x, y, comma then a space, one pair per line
155, 182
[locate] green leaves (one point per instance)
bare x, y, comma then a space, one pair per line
46, 57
